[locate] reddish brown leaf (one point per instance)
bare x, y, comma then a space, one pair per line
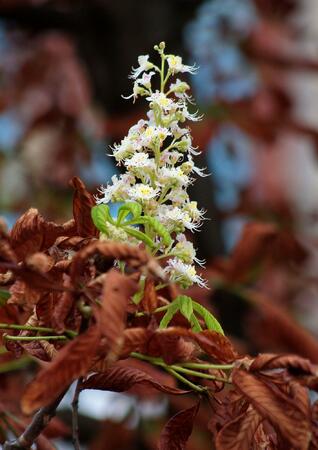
261, 242
134, 340
177, 431
211, 342
63, 306
83, 202
32, 233
239, 433
73, 361
150, 301
215, 345
256, 238
56, 428
35, 349
111, 317
119, 378
283, 330
42, 443
293, 363
111, 251
23, 295
38, 280
44, 308
171, 347
281, 411
40, 262
6, 252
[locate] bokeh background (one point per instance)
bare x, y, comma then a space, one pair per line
64, 66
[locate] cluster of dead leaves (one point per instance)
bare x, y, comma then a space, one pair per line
63, 278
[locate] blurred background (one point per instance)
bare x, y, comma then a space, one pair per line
64, 65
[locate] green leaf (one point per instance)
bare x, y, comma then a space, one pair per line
185, 306
100, 215
171, 311
140, 236
210, 321
159, 229
132, 208
136, 298
195, 324
4, 297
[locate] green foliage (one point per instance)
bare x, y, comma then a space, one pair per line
128, 208
188, 307
101, 215
4, 297
129, 215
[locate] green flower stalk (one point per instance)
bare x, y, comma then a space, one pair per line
158, 155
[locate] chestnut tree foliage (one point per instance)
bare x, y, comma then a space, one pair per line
106, 300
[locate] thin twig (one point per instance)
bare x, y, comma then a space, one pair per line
35, 428
35, 338
75, 427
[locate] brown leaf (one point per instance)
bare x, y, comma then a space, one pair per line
171, 347
111, 251
119, 379
44, 308
216, 345
38, 280
212, 343
150, 301
35, 349
6, 252
83, 202
177, 431
282, 329
238, 434
256, 238
111, 317
262, 241
134, 340
73, 361
23, 295
281, 411
295, 364
42, 443
63, 305
39, 262
32, 233
56, 428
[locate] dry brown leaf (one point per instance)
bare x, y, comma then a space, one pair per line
295, 364
150, 301
73, 361
120, 378
238, 434
111, 251
281, 411
32, 234
111, 316
178, 429
83, 202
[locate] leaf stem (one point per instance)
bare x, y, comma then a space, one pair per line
194, 373
175, 369
185, 380
36, 338
207, 366
161, 308
13, 326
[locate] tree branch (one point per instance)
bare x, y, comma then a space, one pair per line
75, 435
32, 432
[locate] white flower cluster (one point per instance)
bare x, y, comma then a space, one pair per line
158, 156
